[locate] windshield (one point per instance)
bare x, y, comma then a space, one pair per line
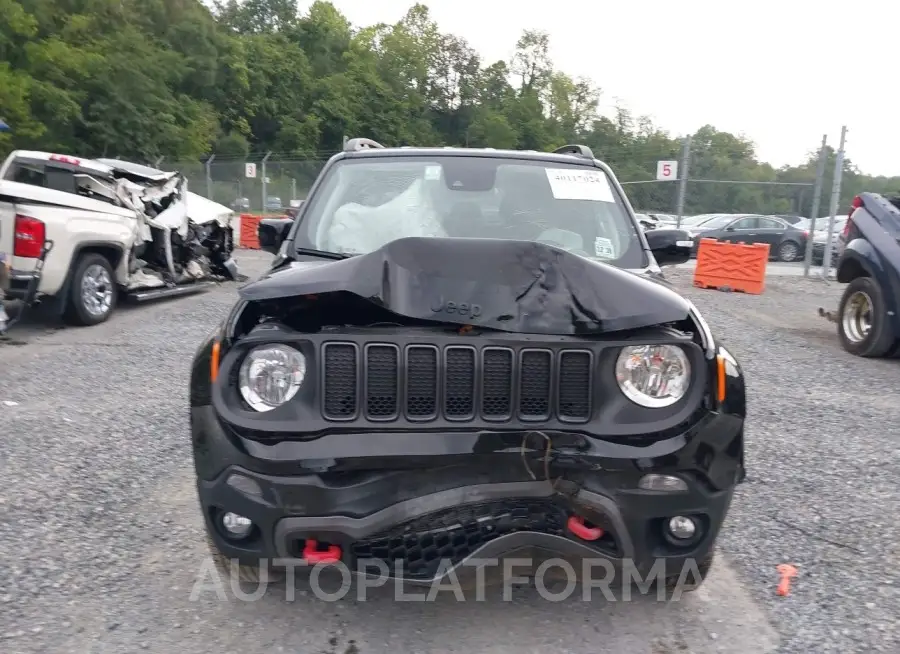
718, 221
696, 220
365, 203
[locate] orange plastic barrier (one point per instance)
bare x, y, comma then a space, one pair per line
249, 236
731, 266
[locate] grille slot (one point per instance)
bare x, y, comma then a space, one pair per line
382, 381
340, 381
459, 382
535, 384
497, 383
421, 382
575, 387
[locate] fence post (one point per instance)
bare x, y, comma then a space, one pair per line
158, 162
265, 189
682, 179
835, 199
293, 189
209, 190
817, 195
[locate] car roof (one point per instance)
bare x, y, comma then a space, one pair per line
534, 155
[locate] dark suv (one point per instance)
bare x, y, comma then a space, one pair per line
461, 355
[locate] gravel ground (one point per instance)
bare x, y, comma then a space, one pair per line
101, 545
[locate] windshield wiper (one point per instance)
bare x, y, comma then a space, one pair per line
323, 254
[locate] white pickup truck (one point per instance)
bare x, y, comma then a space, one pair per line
82, 232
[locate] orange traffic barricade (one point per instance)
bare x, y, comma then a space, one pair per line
731, 266
249, 236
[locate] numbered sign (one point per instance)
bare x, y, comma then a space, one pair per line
666, 170
250, 170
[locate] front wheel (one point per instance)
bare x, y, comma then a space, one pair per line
863, 322
92, 295
788, 252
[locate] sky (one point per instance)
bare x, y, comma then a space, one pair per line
783, 73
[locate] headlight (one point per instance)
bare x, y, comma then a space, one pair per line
653, 376
271, 375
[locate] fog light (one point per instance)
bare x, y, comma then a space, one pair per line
665, 483
682, 527
236, 525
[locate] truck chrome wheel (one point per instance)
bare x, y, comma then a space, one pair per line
96, 290
857, 318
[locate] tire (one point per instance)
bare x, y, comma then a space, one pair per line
789, 251
96, 270
878, 339
251, 574
691, 583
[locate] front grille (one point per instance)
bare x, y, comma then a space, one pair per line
382, 381
418, 547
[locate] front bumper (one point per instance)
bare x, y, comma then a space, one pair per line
453, 512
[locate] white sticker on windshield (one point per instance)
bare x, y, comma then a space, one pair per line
603, 247
571, 184
432, 173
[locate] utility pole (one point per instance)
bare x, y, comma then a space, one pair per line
265, 189
683, 178
835, 199
209, 189
817, 196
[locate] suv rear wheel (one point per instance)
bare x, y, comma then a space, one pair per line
863, 323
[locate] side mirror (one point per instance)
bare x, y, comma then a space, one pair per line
670, 247
272, 232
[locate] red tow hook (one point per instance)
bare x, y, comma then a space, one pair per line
312, 553
576, 526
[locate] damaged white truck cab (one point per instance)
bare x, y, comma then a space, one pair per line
83, 231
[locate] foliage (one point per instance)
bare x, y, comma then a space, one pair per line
141, 79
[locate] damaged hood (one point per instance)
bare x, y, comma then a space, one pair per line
511, 286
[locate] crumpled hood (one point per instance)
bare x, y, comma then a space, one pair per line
512, 286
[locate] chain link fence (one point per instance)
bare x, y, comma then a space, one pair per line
269, 187
700, 183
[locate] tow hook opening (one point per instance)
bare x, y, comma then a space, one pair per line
583, 529
315, 552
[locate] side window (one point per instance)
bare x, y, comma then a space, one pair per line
771, 223
744, 223
27, 174
59, 179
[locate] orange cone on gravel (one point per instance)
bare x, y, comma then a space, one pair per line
787, 573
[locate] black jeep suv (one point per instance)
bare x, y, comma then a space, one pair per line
461, 355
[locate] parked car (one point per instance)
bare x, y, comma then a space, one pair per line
82, 233
786, 242
791, 219
273, 203
421, 360
868, 315
241, 204
646, 221
820, 238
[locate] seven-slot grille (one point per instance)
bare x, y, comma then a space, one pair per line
382, 381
